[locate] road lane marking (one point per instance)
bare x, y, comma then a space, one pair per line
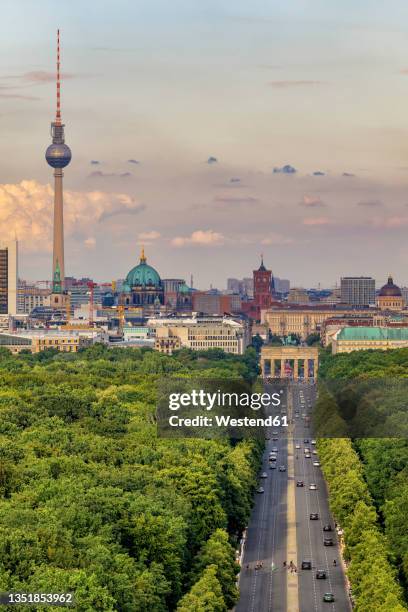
292, 582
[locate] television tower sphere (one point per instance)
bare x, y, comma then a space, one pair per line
58, 155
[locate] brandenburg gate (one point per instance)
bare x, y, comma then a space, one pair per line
289, 362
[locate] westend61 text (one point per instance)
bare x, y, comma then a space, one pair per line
227, 421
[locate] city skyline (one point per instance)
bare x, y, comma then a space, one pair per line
264, 137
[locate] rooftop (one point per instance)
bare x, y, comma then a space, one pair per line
373, 333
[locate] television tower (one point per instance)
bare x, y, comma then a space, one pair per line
58, 155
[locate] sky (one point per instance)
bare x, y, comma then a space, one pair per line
210, 132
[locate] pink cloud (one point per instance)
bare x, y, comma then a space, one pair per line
295, 83
199, 238
316, 221
389, 222
312, 201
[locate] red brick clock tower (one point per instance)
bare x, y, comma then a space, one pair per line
262, 287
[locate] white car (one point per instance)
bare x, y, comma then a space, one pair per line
313, 442
313, 487
316, 463
314, 451
260, 490
297, 446
265, 475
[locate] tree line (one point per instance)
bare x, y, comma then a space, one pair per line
368, 475
93, 502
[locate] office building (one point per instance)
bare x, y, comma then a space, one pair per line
358, 290
8, 277
200, 333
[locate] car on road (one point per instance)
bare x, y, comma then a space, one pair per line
314, 451
313, 442
314, 516
306, 565
274, 449
297, 446
328, 542
306, 441
300, 483
260, 490
328, 597
275, 439
275, 433
313, 487
272, 466
282, 468
327, 528
316, 463
267, 437
306, 450
321, 574
308, 456
264, 475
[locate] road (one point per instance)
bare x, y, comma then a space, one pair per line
266, 589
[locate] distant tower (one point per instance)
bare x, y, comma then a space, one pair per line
58, 155
262, 286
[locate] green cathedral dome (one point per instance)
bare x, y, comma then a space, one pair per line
143, 275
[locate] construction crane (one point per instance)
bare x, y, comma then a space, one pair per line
91, 285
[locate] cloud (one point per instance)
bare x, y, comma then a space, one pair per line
319, 173
316, 221
312, 201
370, 203
349, 174
94, 162
276, 239
212, 160
100, 174
199, 238
287, 169
26, 211
41, 76
133, 161
90, 243
395, 222
235, 200
148, 236
14, 96
299, 83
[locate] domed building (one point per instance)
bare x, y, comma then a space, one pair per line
143, 286
390, 297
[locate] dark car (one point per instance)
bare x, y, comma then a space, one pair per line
329, 597
314, 516
328, 542
282, 468
327, 528
306, 441
300, 483
321, 574
306, 565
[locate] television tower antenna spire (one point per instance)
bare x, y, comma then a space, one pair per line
58, 113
